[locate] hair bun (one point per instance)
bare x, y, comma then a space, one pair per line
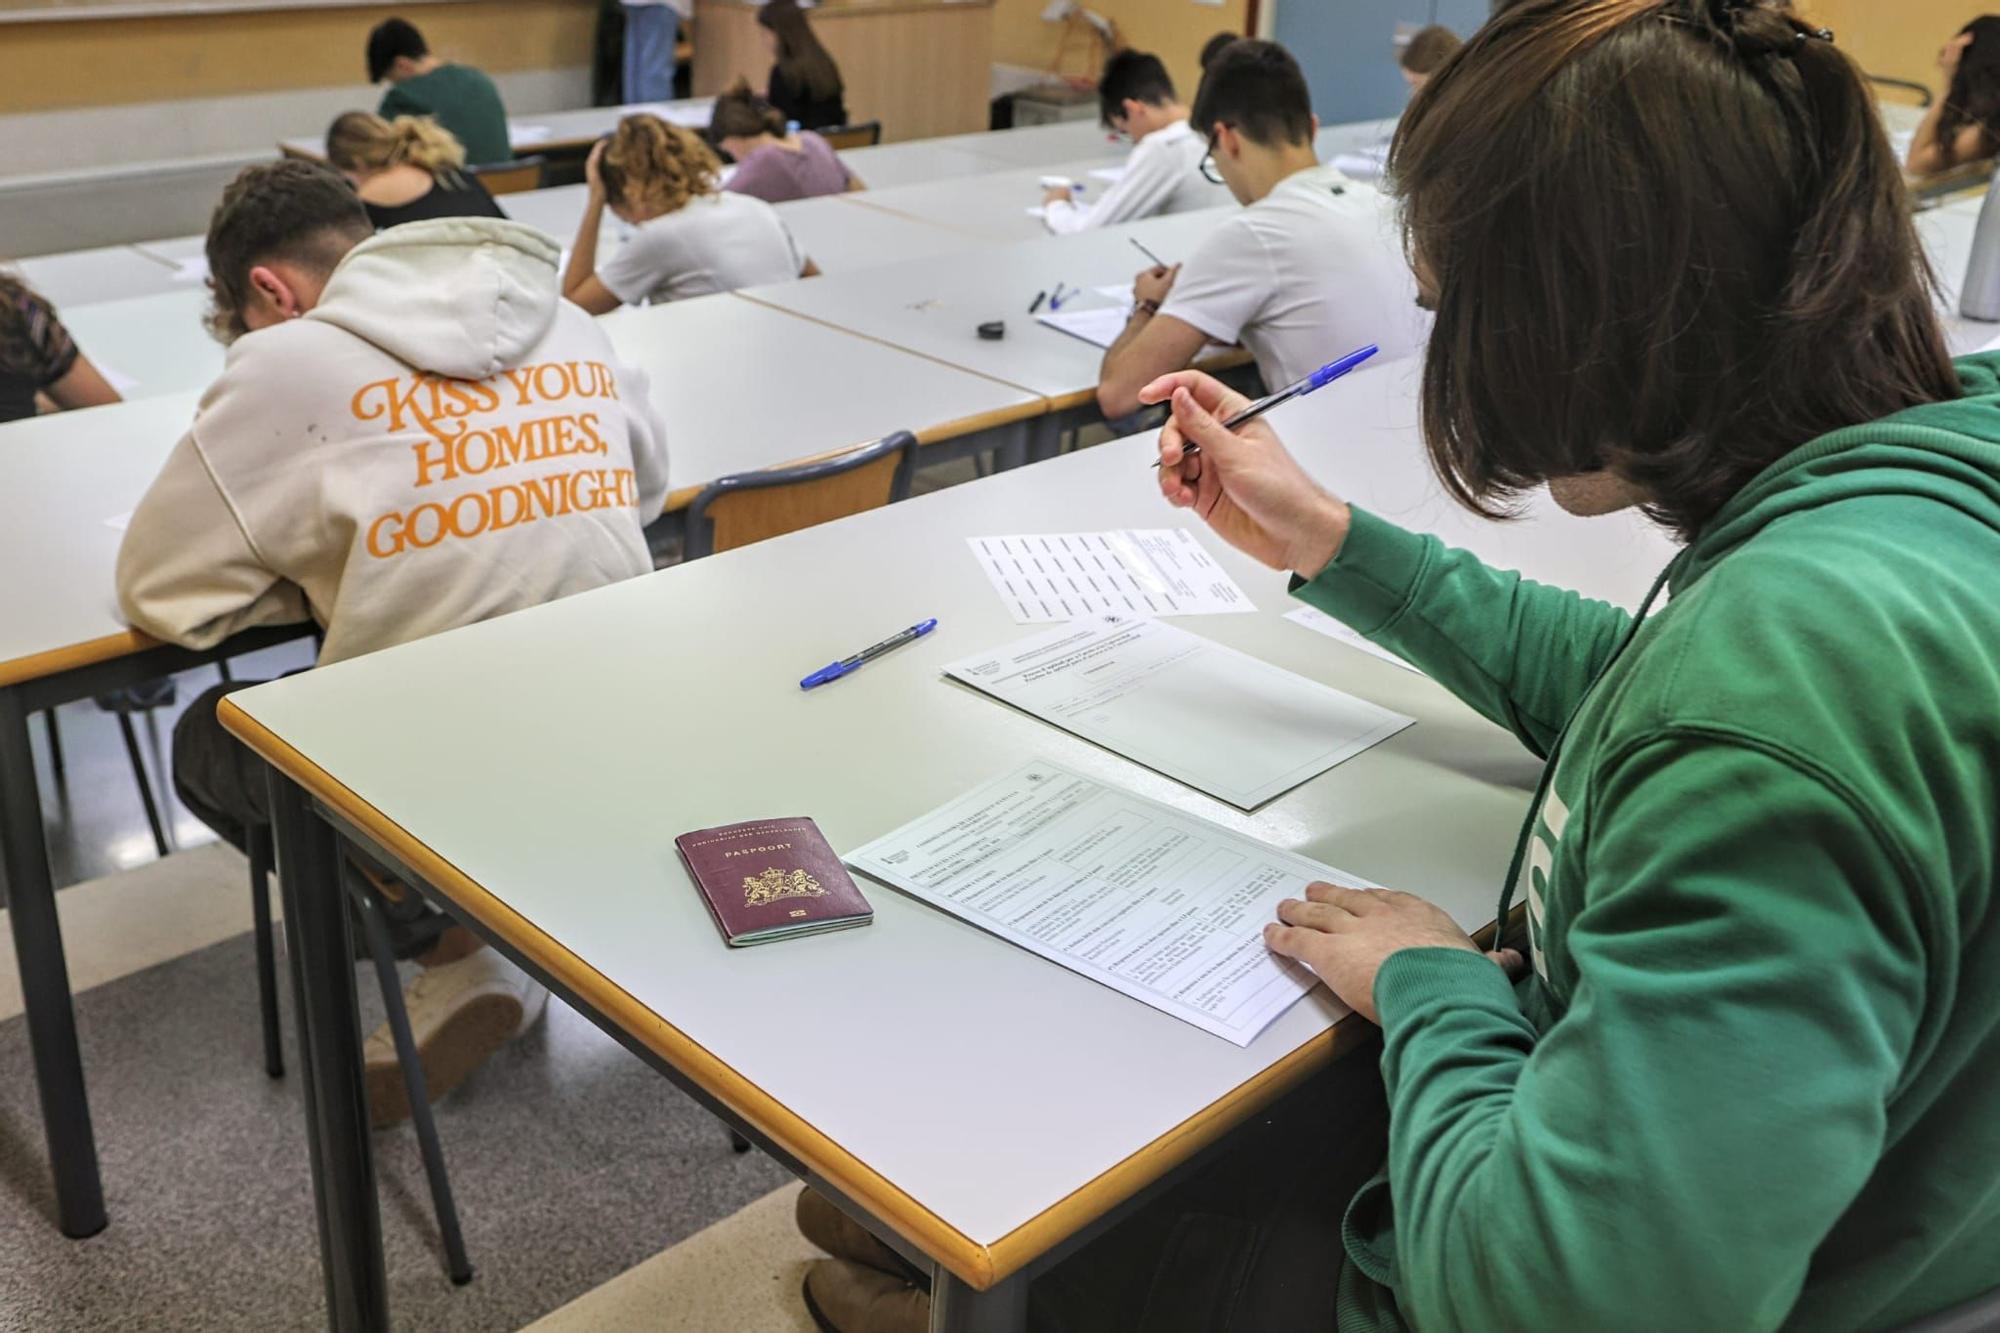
1759, 28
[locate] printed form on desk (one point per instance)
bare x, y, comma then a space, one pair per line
1056, 576
1221, 721
1159, 905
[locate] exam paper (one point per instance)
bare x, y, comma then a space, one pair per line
1135, 571
1320, 622
1098, 326
1221, 721
1159, 905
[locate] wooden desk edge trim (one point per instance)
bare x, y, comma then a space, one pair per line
683, 496
87, 653
1040, 398
967, 1260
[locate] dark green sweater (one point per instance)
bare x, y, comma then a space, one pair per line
464, 101
1754, 1079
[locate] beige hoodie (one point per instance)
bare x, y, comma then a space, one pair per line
442, 439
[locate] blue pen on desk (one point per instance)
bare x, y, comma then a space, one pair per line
846, 666
1319, 379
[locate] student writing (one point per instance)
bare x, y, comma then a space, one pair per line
458, 97
1136, 98
1310, 269
772, 162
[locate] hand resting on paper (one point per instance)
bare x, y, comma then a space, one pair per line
1345, 935
1243, 483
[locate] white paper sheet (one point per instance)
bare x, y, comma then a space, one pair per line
1221, 721
1159, 905
1365, 166
192, 270
1098, 326
527, 136
1321, 623
1050, 577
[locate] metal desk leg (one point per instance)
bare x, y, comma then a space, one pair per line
38, 947
1012, 451
350, 1225
957, 1308
1045, 434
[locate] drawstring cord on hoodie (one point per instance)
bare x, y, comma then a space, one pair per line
1547, 779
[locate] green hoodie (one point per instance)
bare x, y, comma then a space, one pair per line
1753, 1081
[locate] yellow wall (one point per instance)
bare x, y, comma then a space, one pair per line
1174, 30
1900, 39
53, 66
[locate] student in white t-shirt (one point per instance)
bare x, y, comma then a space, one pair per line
1136, 98
1310, 270
689, 238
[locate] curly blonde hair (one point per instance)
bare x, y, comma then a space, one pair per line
650, 164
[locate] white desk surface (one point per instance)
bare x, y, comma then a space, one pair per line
835, 230
1947, 233
149, 345
975, 1078
80, 277
65, 475
935, 306
742, 386
528, 134
996, 203
1352, 137
917, 160
1033, 145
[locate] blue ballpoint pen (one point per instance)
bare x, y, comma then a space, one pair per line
834, 671
1319, 379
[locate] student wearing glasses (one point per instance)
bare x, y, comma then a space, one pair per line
1739, 1071
1136, 98
1311, 269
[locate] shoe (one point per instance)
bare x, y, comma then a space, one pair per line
853, 1298
844, 1238
460, 1014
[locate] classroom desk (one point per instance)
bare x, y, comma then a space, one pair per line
108, 273
1947, 232
836, 231
934, 306
149, 345
982, 1109
1032, 145
554, 131
61, 638
997, 203
917, 160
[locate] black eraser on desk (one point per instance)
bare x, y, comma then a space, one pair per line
993, 330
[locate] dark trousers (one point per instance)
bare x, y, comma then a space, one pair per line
1251, 1242
222, 783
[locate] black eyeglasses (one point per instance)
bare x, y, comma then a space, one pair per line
1209, 172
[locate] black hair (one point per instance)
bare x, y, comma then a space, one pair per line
1257, 89
1135, 76
1214, 47
389, 39
1974, 95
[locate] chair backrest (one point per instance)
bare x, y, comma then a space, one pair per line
865, 135
1903, 90
752, 506
516, 177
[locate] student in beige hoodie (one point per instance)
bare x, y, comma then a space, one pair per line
413, 431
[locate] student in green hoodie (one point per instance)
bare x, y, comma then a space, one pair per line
1749, 1077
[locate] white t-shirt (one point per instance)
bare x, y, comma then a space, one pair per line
1163, 175
715, 243
1305, 275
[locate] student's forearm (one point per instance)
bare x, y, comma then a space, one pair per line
1926, 150
583, 254
1120, 377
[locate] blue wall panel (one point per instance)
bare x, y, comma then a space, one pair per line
1347, 48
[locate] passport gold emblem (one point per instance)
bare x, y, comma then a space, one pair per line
775, 884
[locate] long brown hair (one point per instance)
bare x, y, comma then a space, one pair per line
1974, 95
363, 141
801, 59
740, 114
660, 166
1665, 237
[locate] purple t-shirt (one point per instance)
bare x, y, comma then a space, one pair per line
775, 174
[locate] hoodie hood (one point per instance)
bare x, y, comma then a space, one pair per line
1947, 452
460, 297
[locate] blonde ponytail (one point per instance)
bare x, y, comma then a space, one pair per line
362, 141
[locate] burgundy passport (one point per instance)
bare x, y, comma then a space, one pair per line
771, 879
